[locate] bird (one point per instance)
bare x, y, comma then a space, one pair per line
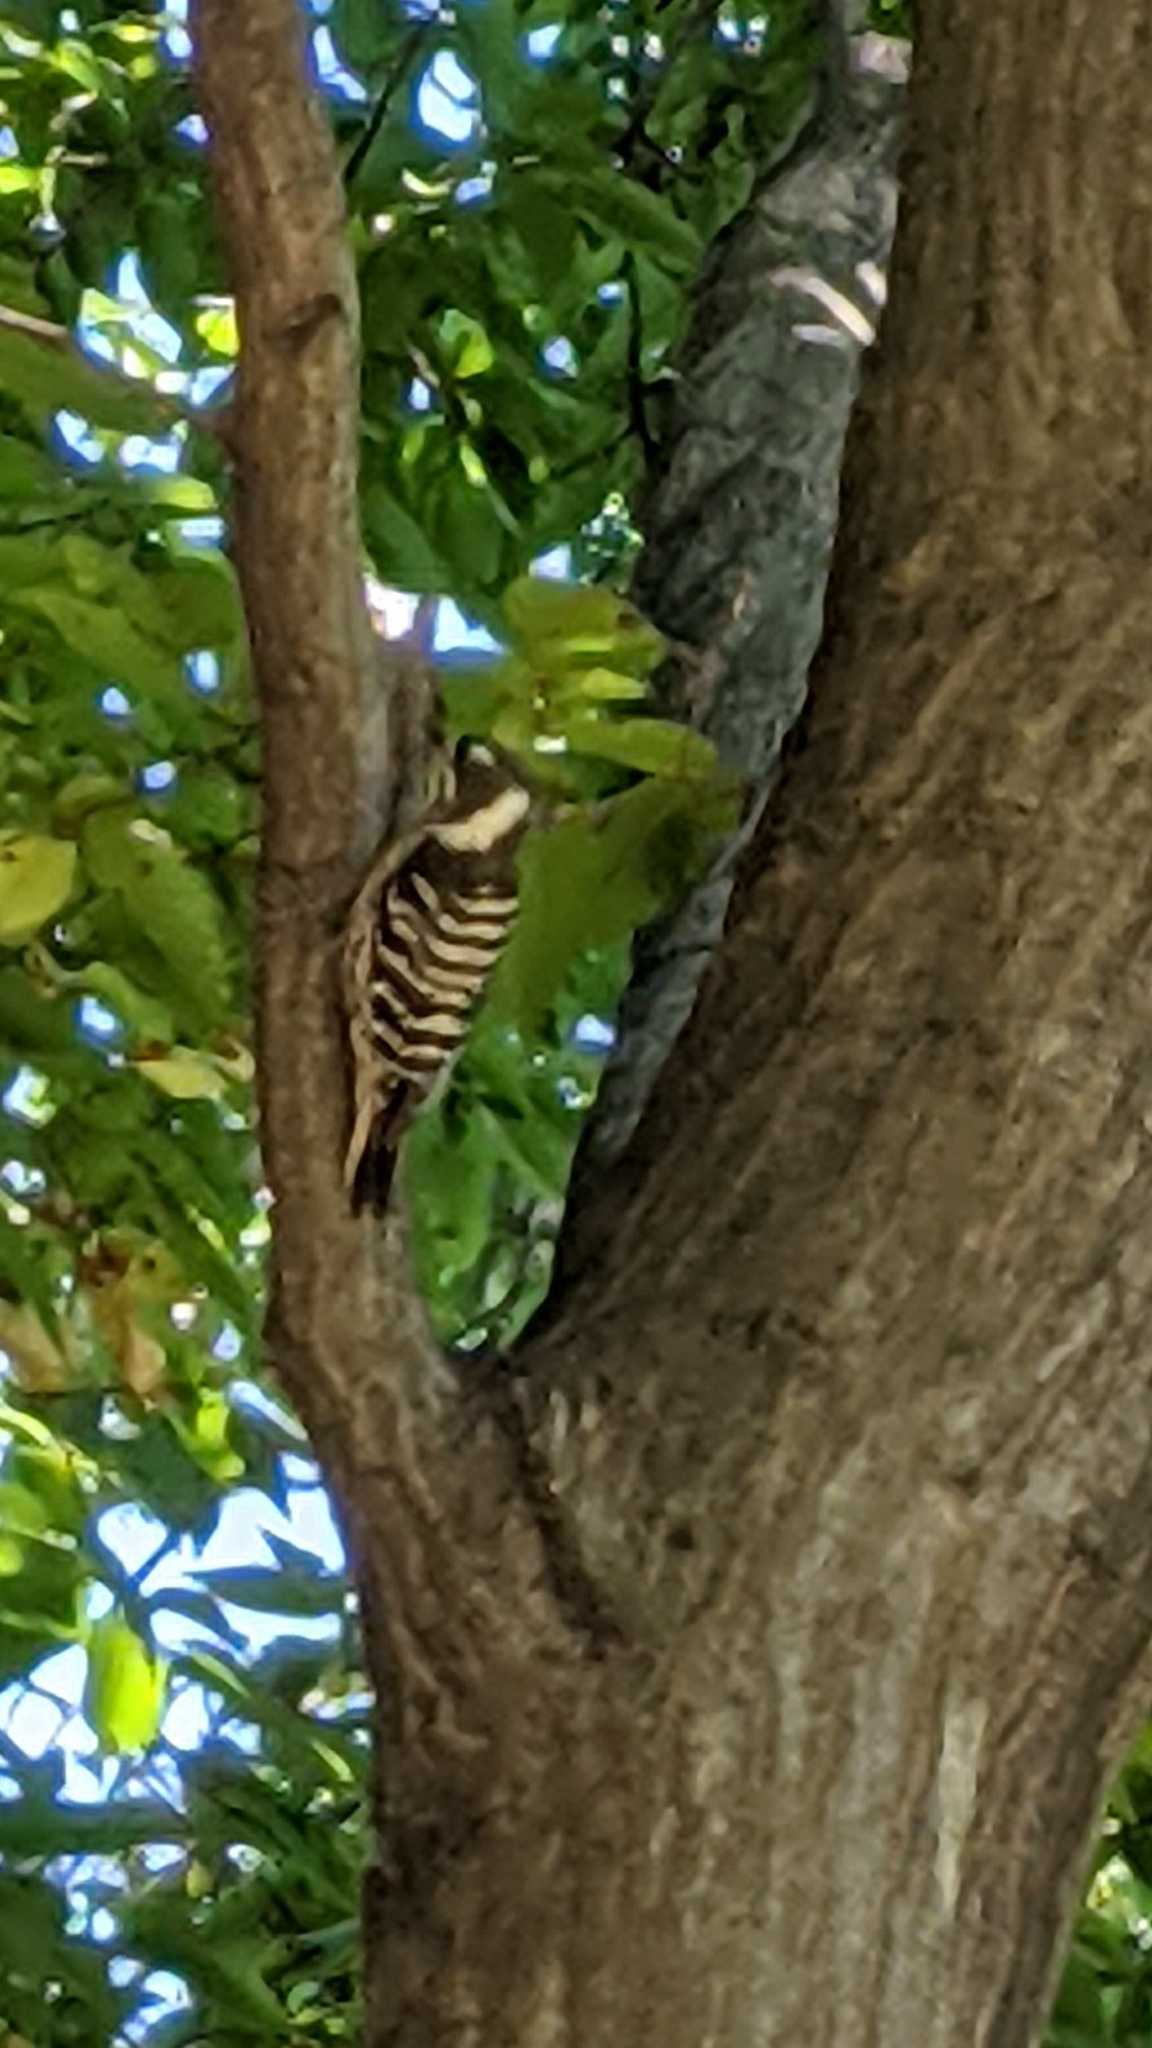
427, 928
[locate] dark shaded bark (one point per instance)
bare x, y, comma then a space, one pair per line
741, 506
752, 1657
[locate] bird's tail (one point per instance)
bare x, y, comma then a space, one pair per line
372, 1183
370, 1178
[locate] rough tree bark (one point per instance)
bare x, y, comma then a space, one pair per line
740, 502
752, 1657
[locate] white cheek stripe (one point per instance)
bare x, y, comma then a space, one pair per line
483, 829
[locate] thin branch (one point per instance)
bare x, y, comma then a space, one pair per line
637, 406
392, 80
48, 334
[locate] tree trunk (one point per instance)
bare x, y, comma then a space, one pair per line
790, 1718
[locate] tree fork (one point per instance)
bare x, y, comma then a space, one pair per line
844, 1421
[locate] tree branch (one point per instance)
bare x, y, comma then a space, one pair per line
331, 702
392, 80
447, 1541
756, 426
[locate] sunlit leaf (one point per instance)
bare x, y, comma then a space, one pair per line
653, 745
36, 877
126, 1685
566, 626
187, 1076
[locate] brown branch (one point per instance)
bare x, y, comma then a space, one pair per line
443, 1535
326, 720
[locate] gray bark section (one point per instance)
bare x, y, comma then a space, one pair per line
740, 519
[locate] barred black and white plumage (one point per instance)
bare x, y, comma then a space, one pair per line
426, 930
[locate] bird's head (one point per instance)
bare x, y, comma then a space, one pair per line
490, 803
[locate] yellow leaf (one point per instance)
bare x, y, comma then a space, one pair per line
36, 876
206, 1439
216, 325
126, 1686
184, 1074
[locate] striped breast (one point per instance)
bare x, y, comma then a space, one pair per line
435, 945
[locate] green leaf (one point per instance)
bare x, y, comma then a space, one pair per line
219, 1274
470, 533
29, 1276
591, 881
277, 1592
172, 904
184, 1075
652, 745
545, 225
539, 1153
146, 1018
402, 552
26, 474
196, 603
125, 1692
451, 1168
22, 1512
558, 626
356, 30
606, 686
173, 1162
35, 1825
106, 639
36, 878
45, 379
27, 559
466, 344
621, 206
206, 1436
48, 1472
